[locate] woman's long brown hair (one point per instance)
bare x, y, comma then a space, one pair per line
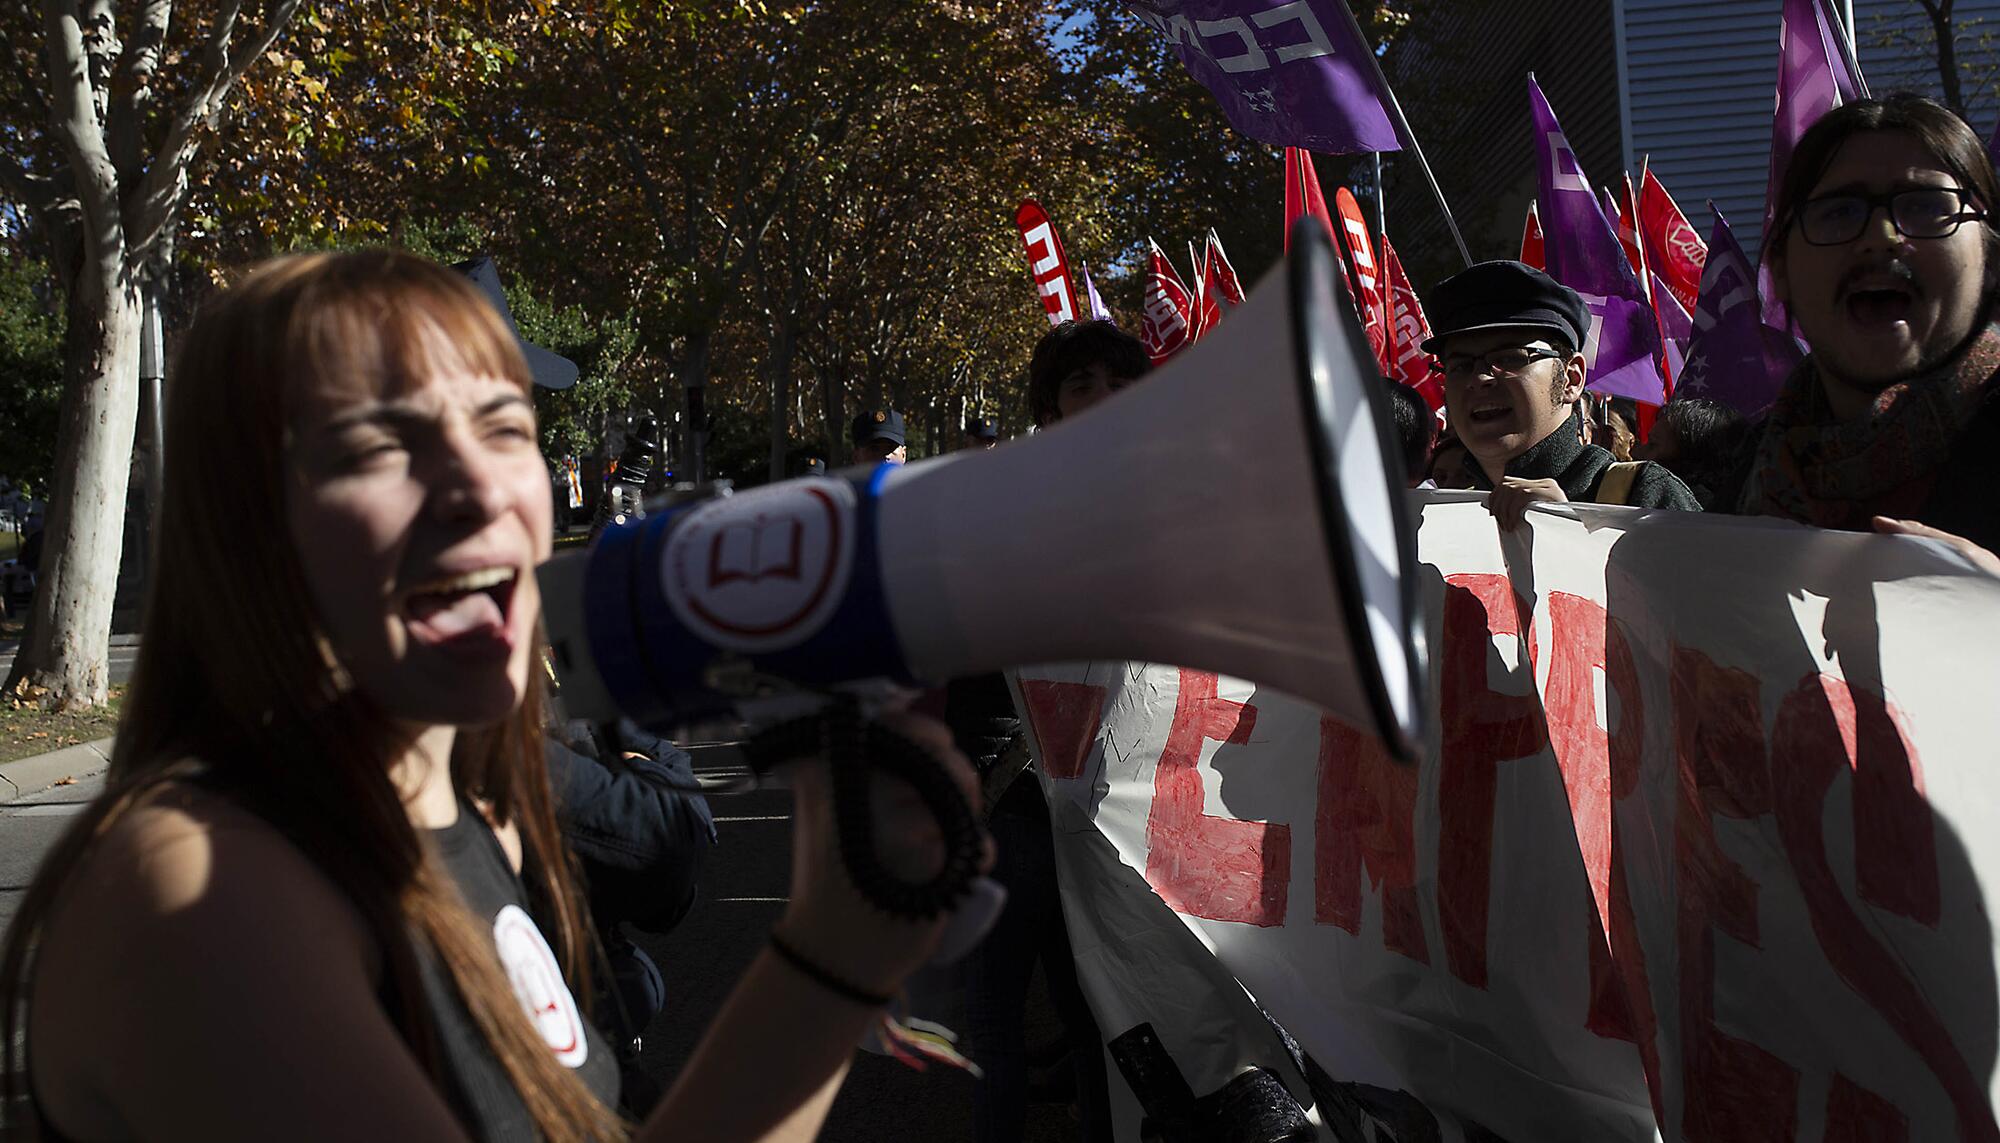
234, 680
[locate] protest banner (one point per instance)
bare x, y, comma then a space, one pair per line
1696, 849
1046, 261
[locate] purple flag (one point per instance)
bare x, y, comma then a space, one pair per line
1993, 145
1293, 75
1584, 253
1813, 79
1675, 327
1734, 356
1098, 310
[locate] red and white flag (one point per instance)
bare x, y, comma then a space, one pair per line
1302, 194
1205, 312
1408, 329
1046, 261
1227, 287
1626, 223
1531, 241
1674, 250
1368, 286
1165, 329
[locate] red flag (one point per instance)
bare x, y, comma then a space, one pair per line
1165, 327
1046, 261
1230, 290
1302, 193
1205, 312
1408, 329
1531, 241
1368, 290
1674, 250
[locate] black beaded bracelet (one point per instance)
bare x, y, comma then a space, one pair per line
827, 980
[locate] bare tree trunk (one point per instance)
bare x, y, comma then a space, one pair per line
1942, 35
69, 629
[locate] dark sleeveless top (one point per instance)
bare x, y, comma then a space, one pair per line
479, 1090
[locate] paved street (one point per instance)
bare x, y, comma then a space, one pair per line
742, 893
124, 652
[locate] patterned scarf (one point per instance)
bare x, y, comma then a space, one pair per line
1834, 474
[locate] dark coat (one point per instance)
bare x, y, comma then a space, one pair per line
1579, 468
639, 825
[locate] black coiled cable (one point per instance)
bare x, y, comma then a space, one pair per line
854, 747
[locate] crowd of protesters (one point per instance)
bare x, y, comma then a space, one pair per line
339, 819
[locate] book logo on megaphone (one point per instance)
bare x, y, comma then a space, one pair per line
763, 568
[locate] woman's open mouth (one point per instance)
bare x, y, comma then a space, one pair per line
465, 613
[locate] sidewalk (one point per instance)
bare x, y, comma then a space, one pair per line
38, 772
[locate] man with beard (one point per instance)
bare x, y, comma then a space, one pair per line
1884, 248
1506, 345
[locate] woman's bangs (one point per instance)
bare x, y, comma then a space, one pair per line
391, 334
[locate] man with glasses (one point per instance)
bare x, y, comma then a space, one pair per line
1883, 247
1506, 347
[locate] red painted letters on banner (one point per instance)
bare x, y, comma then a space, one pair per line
1206, 866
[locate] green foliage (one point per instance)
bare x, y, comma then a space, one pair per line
31, 333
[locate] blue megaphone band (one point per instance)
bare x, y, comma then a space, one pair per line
785, 579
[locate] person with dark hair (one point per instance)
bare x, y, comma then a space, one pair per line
1883, 246
1506, 345
1079, 363
1416, 428
1074, 366
1699, 440
1450, 464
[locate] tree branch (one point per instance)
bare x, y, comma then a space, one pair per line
151, 205
77, 128
132, 88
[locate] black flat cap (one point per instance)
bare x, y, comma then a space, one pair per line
879, 424
984, 428
550, 370
1505, 295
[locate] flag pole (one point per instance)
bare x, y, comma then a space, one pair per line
1404, 133
1847, 56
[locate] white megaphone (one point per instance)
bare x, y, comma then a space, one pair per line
1240, 511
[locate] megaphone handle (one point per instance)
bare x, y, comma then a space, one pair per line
853, 746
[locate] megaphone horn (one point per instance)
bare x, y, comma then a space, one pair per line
1240, 511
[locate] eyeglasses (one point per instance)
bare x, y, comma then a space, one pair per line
1507, 362
1920, 212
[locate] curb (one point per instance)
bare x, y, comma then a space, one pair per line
38, 772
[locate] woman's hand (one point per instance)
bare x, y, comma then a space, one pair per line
828, 920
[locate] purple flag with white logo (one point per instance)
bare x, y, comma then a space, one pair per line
1813, 79
1583, 253
1734, 356
1098, 310
1292, 75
